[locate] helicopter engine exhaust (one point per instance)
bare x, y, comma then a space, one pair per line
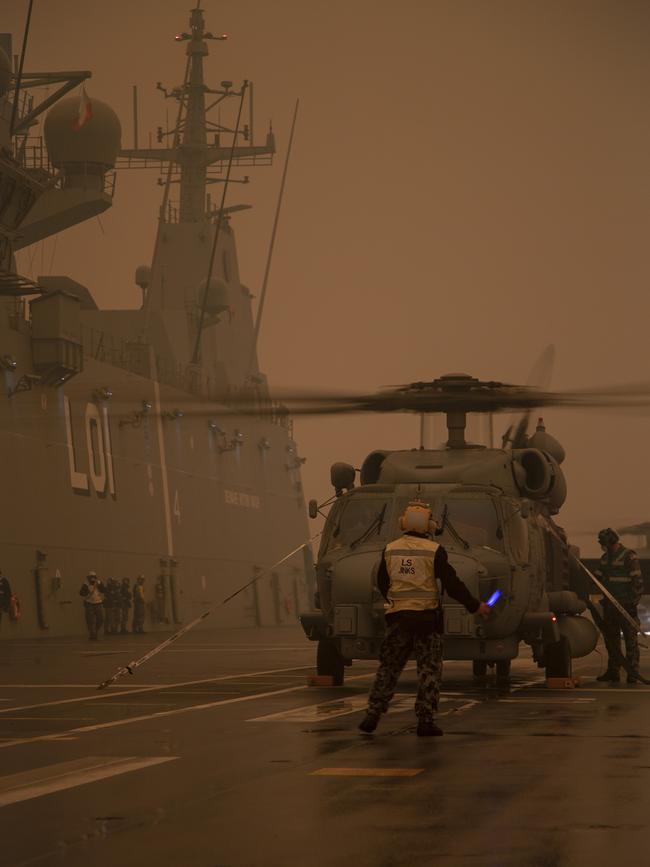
538, 476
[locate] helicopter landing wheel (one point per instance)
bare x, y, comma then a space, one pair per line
557, 658
503, 669
329, 661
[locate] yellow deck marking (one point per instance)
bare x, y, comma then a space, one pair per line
367, 772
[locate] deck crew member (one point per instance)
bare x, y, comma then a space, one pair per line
92, 592
408, 576
125, 604
138, 604
620, 572
111, 606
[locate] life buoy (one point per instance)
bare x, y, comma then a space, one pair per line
14, 607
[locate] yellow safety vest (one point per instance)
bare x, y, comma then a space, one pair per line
413, 585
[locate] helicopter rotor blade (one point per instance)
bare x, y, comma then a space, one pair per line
451, 393
437, 396
539, 377
447, 394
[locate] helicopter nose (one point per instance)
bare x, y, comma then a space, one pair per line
469, 569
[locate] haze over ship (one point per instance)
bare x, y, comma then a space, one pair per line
115, 457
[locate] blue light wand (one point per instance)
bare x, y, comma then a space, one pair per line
493, 598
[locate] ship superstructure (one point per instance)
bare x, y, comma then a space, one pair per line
118, 451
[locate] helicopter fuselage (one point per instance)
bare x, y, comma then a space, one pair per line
495, 539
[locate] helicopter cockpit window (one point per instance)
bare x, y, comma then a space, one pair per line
475, 521
358, 521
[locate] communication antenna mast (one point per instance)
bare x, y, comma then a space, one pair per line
192, 160
21, 64
269, 258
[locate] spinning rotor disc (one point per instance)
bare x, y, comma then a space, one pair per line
450, 393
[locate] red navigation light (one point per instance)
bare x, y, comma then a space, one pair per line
178, 37
224, 35
554, 619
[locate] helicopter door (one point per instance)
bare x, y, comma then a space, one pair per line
557, 559
538, 562
524, 549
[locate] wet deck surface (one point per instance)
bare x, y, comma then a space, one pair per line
216, 754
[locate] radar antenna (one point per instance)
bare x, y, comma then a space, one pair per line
192, 160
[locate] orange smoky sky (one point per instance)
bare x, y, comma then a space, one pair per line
469, 183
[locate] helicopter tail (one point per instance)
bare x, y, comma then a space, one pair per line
516, 436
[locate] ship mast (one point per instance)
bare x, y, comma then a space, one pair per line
194, 137
194, 162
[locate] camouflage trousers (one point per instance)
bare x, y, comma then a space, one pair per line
615, 623
94, 618
400, 642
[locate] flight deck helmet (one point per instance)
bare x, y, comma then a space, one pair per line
417, 518
607, 537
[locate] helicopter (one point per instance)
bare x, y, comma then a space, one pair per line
495, 511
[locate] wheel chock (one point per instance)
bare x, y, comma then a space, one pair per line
320, 680
561, 682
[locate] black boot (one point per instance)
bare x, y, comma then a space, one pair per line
428, 729
612, 675
369, 723
633, 678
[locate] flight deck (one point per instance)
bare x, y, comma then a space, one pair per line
218, 754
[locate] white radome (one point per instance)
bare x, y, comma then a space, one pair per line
97, 141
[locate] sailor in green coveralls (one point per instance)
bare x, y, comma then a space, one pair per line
620, 572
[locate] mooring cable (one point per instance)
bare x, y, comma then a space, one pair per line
136, 663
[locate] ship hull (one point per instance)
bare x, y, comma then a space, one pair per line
100, 485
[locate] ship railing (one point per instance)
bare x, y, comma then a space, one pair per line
135, 357
129, 355
216, 169
219, 168
141, 163
88, 176
30, 153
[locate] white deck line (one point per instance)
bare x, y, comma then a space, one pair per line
167, 713
68, 775
103, 695
150, 716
